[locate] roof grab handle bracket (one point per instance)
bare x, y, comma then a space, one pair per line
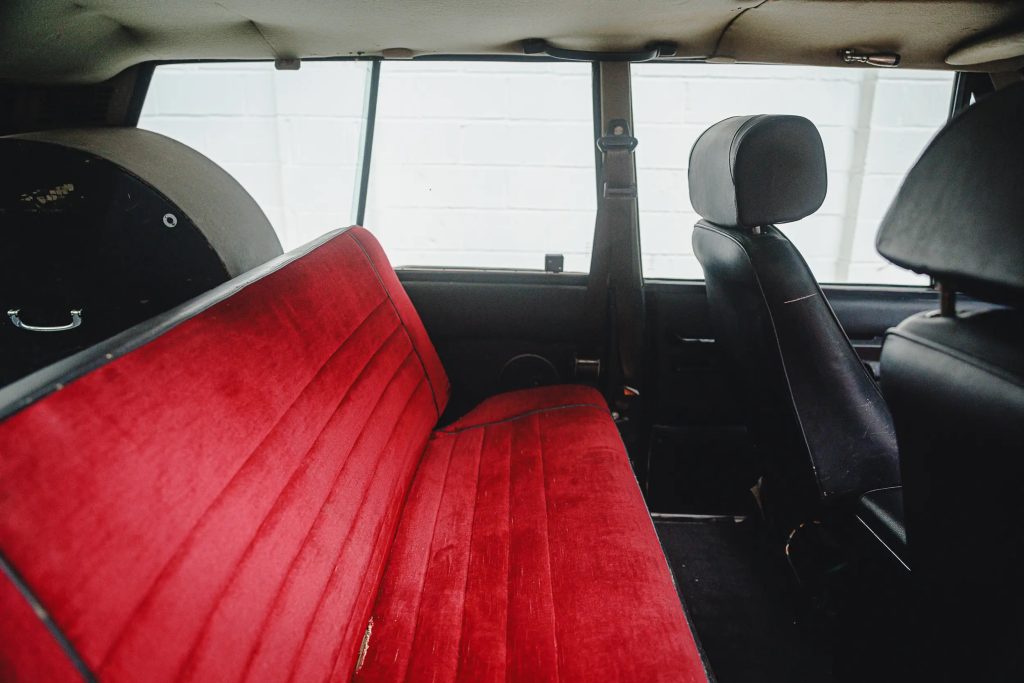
651, 51
885, 60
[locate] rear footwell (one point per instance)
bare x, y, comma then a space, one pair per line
740, 602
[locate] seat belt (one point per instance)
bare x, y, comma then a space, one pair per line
615, 298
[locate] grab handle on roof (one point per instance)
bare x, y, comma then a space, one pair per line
539, 46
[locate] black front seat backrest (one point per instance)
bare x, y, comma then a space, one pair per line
817, 415
955, 383
105, 228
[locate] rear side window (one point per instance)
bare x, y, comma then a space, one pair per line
874, 123
291, 138
474, 164
483, 164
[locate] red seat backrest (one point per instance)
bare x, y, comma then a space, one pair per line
219, 502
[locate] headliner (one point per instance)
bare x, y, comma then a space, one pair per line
81, 41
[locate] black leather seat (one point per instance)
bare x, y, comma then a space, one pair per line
817, 414
955, 383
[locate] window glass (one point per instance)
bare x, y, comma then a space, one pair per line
483, 164
874, 124
291, 138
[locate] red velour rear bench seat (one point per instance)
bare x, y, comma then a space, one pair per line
257, 492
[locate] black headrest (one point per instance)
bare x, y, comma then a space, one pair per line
747, 171
959, 215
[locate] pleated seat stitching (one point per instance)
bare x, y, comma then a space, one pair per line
430, 545
336, 654
508, 573
547, 543
277, 500
469, 554
355, 519
305, 540
377, 582
380, 280
116, 641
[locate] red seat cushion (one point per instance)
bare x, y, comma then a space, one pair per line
526, 552
220, 502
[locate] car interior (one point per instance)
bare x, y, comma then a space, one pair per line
522, 341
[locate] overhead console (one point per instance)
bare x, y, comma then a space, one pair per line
106, 228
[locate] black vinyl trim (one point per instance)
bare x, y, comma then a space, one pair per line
18, 395
44, 616
369, 126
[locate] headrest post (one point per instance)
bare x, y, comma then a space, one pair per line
947, 301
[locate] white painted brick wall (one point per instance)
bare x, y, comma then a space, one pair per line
491, 164
873, 123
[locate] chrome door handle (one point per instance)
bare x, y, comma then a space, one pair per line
76, 320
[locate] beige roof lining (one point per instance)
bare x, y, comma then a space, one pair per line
81, 41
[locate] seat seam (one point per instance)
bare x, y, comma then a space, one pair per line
348, 534
426, 570
529, 413
187, 661
400, 504
387, 293
469, 555
305, 540
547, 543
116, 641
508, 571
